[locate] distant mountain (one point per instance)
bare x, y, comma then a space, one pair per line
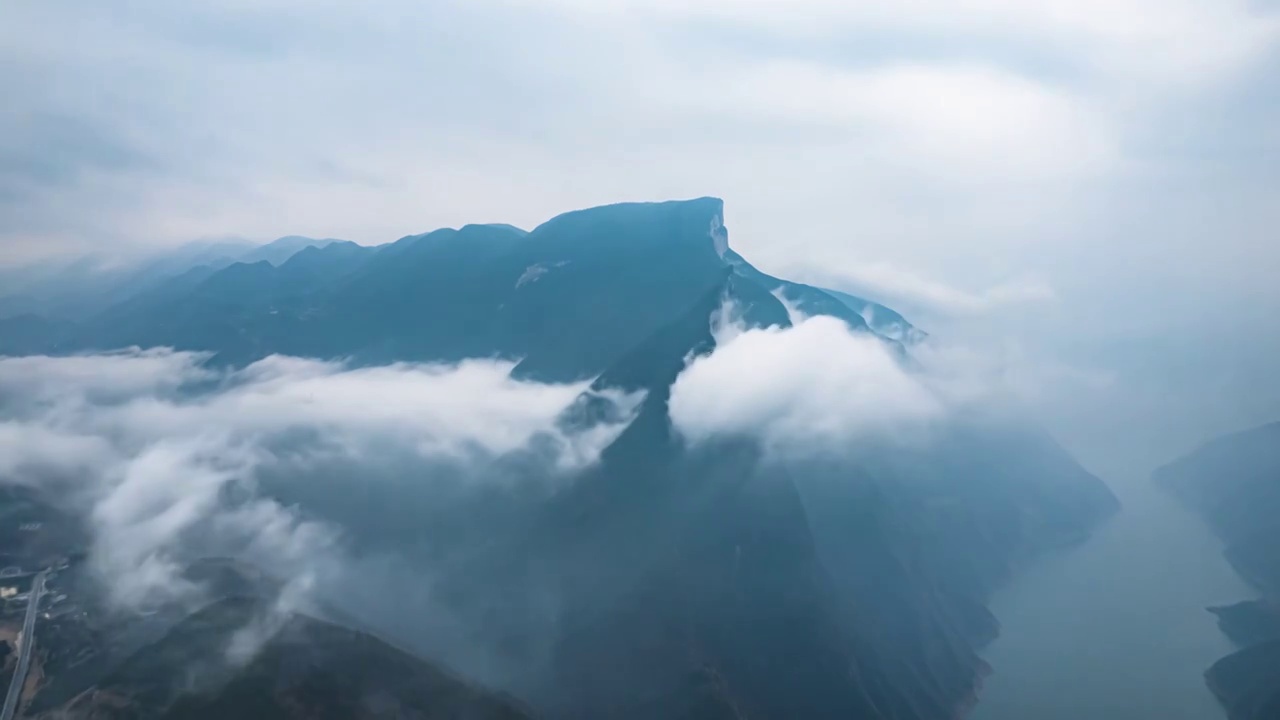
278, 251
78, 290
30, 334
1234, 483
305, 669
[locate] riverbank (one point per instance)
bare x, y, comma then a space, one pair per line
1116, 628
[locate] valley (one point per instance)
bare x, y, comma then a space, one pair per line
638, 554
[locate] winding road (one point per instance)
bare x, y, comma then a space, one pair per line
24, 654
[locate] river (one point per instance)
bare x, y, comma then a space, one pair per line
1116, 629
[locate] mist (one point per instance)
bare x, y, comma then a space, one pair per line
167, 461
381, 492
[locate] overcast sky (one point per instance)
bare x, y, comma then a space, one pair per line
1085, 163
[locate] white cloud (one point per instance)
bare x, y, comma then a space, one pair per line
98, 378
818, 386
960, 123
1173, 40
909, 290
32, 451
455, 410
813, 385
168, 454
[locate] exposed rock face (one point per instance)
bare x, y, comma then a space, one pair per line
719, 234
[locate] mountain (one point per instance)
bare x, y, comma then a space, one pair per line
707, 572
305, 668
80, 289
1248, 682
278, 251
31, 334
240, 311
1234, 483
568, 298
814, 301
669, 579
883, 320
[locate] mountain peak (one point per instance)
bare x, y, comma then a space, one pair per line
676, 221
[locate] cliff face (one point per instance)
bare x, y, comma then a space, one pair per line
1234, 483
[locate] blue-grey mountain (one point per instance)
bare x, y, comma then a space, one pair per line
688, 581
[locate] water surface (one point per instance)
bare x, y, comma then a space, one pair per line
1116, 629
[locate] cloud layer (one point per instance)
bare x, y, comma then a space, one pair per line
818, 386
166, 457
813, 385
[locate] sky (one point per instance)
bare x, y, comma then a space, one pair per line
1074, 174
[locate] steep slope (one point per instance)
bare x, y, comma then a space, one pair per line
806, 298
598, 282
856, 311
714, 581
78, 290
1234, 483
1248, 682
883, 320
305, 668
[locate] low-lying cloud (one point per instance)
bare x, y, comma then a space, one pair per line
906, 290
819, 385
813, 384
164, 457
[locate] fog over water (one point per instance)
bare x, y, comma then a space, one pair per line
1113, 629
1116, 628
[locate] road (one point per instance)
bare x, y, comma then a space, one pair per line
24, 653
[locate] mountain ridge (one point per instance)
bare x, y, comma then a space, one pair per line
376, 303
683, 578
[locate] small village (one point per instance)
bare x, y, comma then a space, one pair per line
41, 622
